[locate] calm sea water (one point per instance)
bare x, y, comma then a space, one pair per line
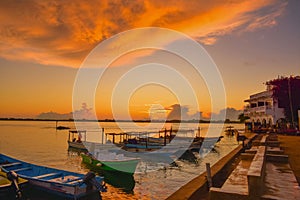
40, 143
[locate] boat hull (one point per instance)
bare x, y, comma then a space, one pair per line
58, 182
61, 190
124, 166
79, 146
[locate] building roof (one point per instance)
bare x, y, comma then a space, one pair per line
260, 95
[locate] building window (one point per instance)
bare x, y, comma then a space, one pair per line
261, 103
253, 105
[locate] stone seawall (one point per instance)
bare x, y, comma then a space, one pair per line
198, 187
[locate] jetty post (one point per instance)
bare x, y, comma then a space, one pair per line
102, 135
208, 173
113, 139
147, 135
165, 138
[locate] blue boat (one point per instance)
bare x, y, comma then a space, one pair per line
63, 183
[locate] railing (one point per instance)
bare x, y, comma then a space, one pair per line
266, 109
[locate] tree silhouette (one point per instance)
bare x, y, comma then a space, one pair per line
286, 91
243, 118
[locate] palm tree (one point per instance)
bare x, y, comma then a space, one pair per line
243, 118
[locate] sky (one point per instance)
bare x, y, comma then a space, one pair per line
44, 43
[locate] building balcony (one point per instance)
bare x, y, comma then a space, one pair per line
268, 110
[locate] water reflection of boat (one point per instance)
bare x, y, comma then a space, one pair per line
204, 142
124, 181
62, 183
189, 156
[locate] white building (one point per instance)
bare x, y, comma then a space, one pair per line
263, 110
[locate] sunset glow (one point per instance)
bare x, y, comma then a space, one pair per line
43, 44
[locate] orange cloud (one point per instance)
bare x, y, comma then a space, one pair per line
63, 32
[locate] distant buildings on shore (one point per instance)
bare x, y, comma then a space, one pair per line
278, 106
263, 109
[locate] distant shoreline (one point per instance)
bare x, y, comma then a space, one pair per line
112, 120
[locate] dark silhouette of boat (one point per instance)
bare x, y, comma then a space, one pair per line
62, 128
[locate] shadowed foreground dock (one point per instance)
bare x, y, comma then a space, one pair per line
271, 174
291, 146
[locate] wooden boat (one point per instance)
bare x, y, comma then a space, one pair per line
195, 144
109, 157
62, 128
110, 161
142, 147
63, 183
75, 140
229, 130
10, 186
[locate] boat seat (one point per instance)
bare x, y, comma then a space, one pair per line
46, 175
10, 164
22, 169
75, 181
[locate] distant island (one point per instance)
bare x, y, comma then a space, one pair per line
112, 120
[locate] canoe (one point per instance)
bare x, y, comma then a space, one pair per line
60, 182
7, 188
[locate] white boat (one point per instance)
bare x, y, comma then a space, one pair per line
106, 157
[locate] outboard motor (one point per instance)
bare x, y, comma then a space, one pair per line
13, 178
90, 180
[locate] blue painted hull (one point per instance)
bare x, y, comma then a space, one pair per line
60, 182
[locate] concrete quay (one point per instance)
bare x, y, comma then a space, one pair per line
198, 187
261, 172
